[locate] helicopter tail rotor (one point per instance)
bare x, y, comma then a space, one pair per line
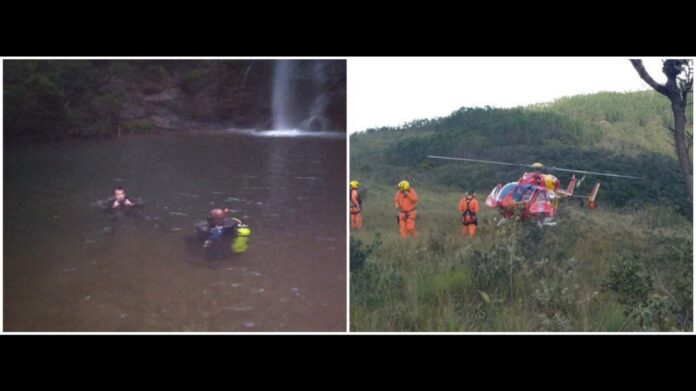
593, 196
569, 191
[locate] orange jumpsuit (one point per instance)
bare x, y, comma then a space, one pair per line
406, 202
469, 217
355, 211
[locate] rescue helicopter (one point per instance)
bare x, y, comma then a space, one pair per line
535, 196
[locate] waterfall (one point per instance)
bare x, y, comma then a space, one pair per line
300, 95
281, 94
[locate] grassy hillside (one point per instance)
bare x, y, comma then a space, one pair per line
626, 266
629, 123
598, 270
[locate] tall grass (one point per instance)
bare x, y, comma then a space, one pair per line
597, 270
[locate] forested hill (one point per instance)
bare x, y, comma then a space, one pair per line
610, 132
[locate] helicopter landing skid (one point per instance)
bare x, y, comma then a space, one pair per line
546, 221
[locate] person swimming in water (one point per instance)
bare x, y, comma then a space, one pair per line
217, 226
222, 235
120, 199
119, 205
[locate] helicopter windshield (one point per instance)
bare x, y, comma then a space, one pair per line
507, 189
523, 193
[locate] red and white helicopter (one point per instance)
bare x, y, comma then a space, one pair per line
535, 195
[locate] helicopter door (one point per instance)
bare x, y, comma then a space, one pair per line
539, 203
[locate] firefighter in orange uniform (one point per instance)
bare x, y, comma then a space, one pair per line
405, 201
355, 206
469, 208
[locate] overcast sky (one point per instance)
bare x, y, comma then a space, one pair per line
391, 91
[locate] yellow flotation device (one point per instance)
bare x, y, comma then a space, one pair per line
240, 242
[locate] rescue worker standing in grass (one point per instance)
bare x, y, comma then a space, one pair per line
405, 201
355, 206
469, 208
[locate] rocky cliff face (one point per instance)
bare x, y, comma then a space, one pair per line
212, 94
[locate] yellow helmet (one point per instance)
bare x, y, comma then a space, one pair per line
537, 165
404, 185
354, 184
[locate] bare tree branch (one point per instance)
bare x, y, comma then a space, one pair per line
676, 90
638, 65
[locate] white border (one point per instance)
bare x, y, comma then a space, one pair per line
2, 191
347, 331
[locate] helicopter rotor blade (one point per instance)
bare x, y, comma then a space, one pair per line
593, 173
530, 166
478, 161
577, 185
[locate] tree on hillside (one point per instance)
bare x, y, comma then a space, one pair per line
679, 84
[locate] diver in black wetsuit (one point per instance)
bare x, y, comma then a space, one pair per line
216, 226
221, 236
213, 232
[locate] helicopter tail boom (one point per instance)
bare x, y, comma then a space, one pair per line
569, 191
